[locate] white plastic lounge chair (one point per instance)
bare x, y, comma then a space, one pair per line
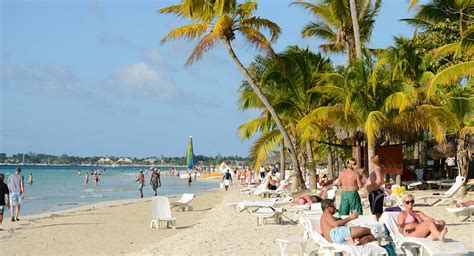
280, 190
411, 245
264, 213
448, 195
312, 231
183, 203
462, 212
161, 211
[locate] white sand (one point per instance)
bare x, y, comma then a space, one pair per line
122, 227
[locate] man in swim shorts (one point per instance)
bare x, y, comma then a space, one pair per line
337, 231
16, 186
350, 182
4, 197
374, 187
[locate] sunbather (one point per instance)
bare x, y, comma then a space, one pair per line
311, 199
417, 224
337, 231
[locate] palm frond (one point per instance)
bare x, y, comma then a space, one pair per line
374, 122
450, 75
249, 129
189, 32
264, 145
398, 100
418, 23
259, 23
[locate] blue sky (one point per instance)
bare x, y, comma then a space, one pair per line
91, 78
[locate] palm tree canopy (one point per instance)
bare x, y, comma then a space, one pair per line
219, 20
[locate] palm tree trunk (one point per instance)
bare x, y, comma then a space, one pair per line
296, 167
312, 168
282, 160
355, 26
370, 154
330, 161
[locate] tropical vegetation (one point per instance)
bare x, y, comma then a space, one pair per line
417, 92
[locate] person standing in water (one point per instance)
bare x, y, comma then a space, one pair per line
30, 179
86, 178
190, 178
141, 182
374, 188
155, 181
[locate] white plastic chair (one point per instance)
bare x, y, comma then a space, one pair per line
409, 244
312, 230
183, 203
448, 195
466, 211
161, 211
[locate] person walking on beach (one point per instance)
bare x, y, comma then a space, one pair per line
350, 182
16, 185
155, 181
227, 179
374, 188
30, 179
141, 182
4, 198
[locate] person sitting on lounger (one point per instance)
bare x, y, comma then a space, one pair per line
311, 199
337, 231
272, 183
417, 224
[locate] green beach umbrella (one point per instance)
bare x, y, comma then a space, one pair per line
190, 154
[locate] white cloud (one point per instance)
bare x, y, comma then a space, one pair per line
43, 78
142, 80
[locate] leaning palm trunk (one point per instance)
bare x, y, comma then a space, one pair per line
299, 184
282, 160
355, 26
313, 178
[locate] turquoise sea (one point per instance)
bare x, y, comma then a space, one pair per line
60, 187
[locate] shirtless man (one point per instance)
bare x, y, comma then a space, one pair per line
349, 182
337, 231
374, 188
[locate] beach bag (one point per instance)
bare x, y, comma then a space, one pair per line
221, 185
390, 248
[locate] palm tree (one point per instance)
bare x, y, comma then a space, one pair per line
286, 90
436, 11
217, 21
355, 26
334, 24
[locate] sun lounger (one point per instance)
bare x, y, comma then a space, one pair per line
448, 195
412, 245
183, 203
161, 211
466, 211
312, 231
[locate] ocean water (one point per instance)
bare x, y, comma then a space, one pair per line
60, 187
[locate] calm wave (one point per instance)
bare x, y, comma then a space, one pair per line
60, 187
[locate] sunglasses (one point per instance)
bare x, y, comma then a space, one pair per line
410, 202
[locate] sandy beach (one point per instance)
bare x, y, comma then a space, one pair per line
122, 227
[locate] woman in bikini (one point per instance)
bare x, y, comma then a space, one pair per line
417, 224
311, 199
